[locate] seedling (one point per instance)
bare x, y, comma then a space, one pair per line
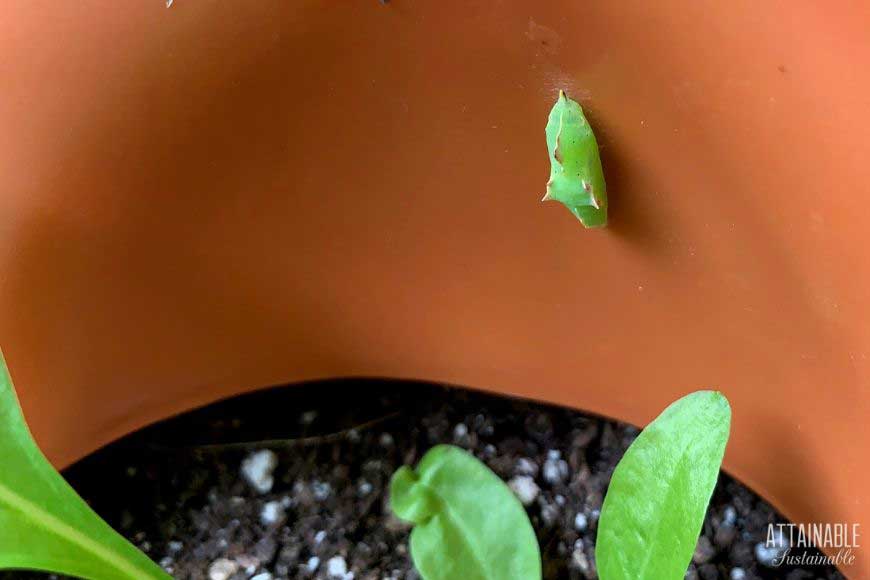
468, 525
576, 177
44, 524
660, 490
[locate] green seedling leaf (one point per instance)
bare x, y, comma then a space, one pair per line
655, 505
576, 176
468, 525
44, 524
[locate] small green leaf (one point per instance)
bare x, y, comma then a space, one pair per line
44, 524
576, 176
468, 525
655, 505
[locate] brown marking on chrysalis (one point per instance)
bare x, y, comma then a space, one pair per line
587, 187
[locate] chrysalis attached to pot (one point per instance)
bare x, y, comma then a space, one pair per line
576, 177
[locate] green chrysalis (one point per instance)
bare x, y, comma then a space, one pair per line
576, 177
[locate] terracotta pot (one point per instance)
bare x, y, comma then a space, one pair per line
224, 196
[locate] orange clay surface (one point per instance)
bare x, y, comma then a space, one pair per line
223, 196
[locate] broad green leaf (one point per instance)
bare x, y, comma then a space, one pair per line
44, 524
468, 525
576, 176
655, 505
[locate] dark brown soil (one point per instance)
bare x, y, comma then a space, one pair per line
177, 491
